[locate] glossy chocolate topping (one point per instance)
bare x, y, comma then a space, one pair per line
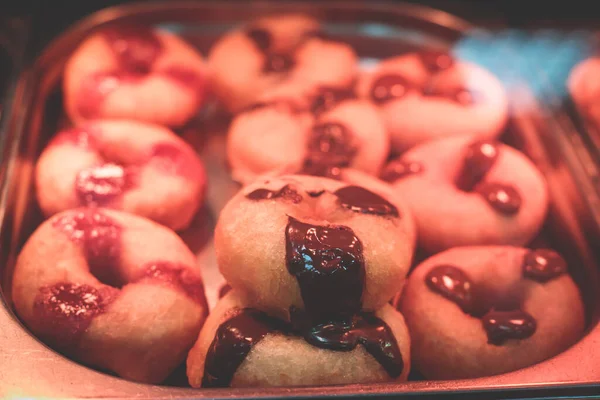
480, 157
399, 169
503, 198
359, 199
136, 47
100, 238
329, 97
436, 61
101, 184
64, 311
543, 265
233, 341
315, 193
329, 266
286, 193
503, 325
330, 148
389, 87
177, 276
365, 329
500, 314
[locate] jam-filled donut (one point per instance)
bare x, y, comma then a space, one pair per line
314, 132
134, 72
305, 247
430, 95
244, 347
112, 290
140, 168
470, 192
584, 87
485, 310
275, 49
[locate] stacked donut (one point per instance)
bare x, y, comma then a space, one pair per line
312, 263
104, 279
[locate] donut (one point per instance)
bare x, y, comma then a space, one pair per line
112, 290
431, 95
137, 167
584, 87
302, 247
292, 130
485, 310
271, 50
470, 192
134, 72
244, 347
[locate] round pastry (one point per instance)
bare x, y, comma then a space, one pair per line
430, 95
244, 347
112, 290
134, 72
303, 247
315, 132
479, 311
271, 50
140, 168
584, 87
465, 192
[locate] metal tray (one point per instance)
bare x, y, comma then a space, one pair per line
29, 368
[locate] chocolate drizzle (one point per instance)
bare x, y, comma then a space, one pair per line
330, 148
232, 343
361, 200
389, 87
366, 329
286, 193
543, 265
480, 157
328, 97
436, 61
399, 169
275, 62
501, 316
329, 266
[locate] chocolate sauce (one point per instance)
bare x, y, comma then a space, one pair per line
136, 47
543, 265
286, 193
359, 199
389, 87
501, 315
64, 311
453, 284
365, 329
399, 169
177, 276
233, 341
504, 325
503, 198
330, 148
479, 159
329, 265
100, 238
329, 97
100, 185
436, 61
315, 193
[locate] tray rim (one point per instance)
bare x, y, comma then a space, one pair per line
448, 387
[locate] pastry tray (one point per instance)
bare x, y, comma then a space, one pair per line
28, 368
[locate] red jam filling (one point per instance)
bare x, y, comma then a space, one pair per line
177, 276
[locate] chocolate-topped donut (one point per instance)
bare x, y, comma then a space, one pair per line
316, 132
314, 247
275, 49
431, 95
112, 290
467, 192
478, 311
241, 346
134, 72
